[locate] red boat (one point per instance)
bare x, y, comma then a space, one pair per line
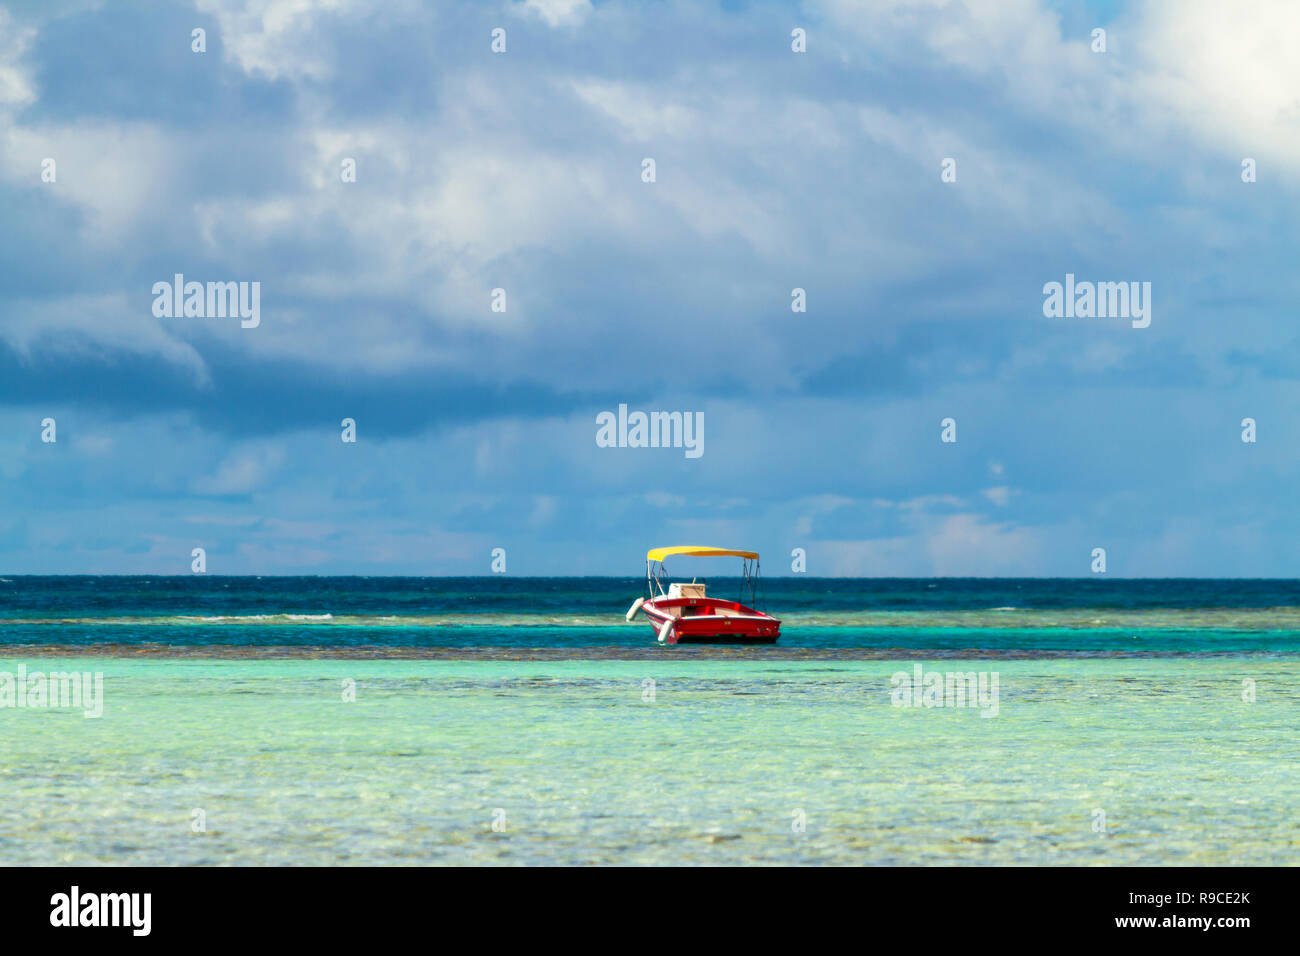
683, 614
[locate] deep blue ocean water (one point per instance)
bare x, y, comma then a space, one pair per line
1092, 615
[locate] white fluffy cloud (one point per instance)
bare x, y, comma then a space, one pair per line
557, 13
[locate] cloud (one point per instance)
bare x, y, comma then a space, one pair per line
278, 39
775, 171
15, 82
243, 472
1228, 81
557, 13
999, 495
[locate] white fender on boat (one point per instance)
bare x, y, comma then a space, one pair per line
663, 631
636, 606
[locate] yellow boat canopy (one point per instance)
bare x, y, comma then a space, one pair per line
698, 551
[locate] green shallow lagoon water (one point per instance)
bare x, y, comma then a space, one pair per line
712, 771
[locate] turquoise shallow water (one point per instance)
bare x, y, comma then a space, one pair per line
712, 771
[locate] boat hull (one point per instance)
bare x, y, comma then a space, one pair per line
710, 621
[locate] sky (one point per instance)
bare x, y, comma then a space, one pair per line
825, 170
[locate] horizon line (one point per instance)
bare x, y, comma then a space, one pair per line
614, 577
